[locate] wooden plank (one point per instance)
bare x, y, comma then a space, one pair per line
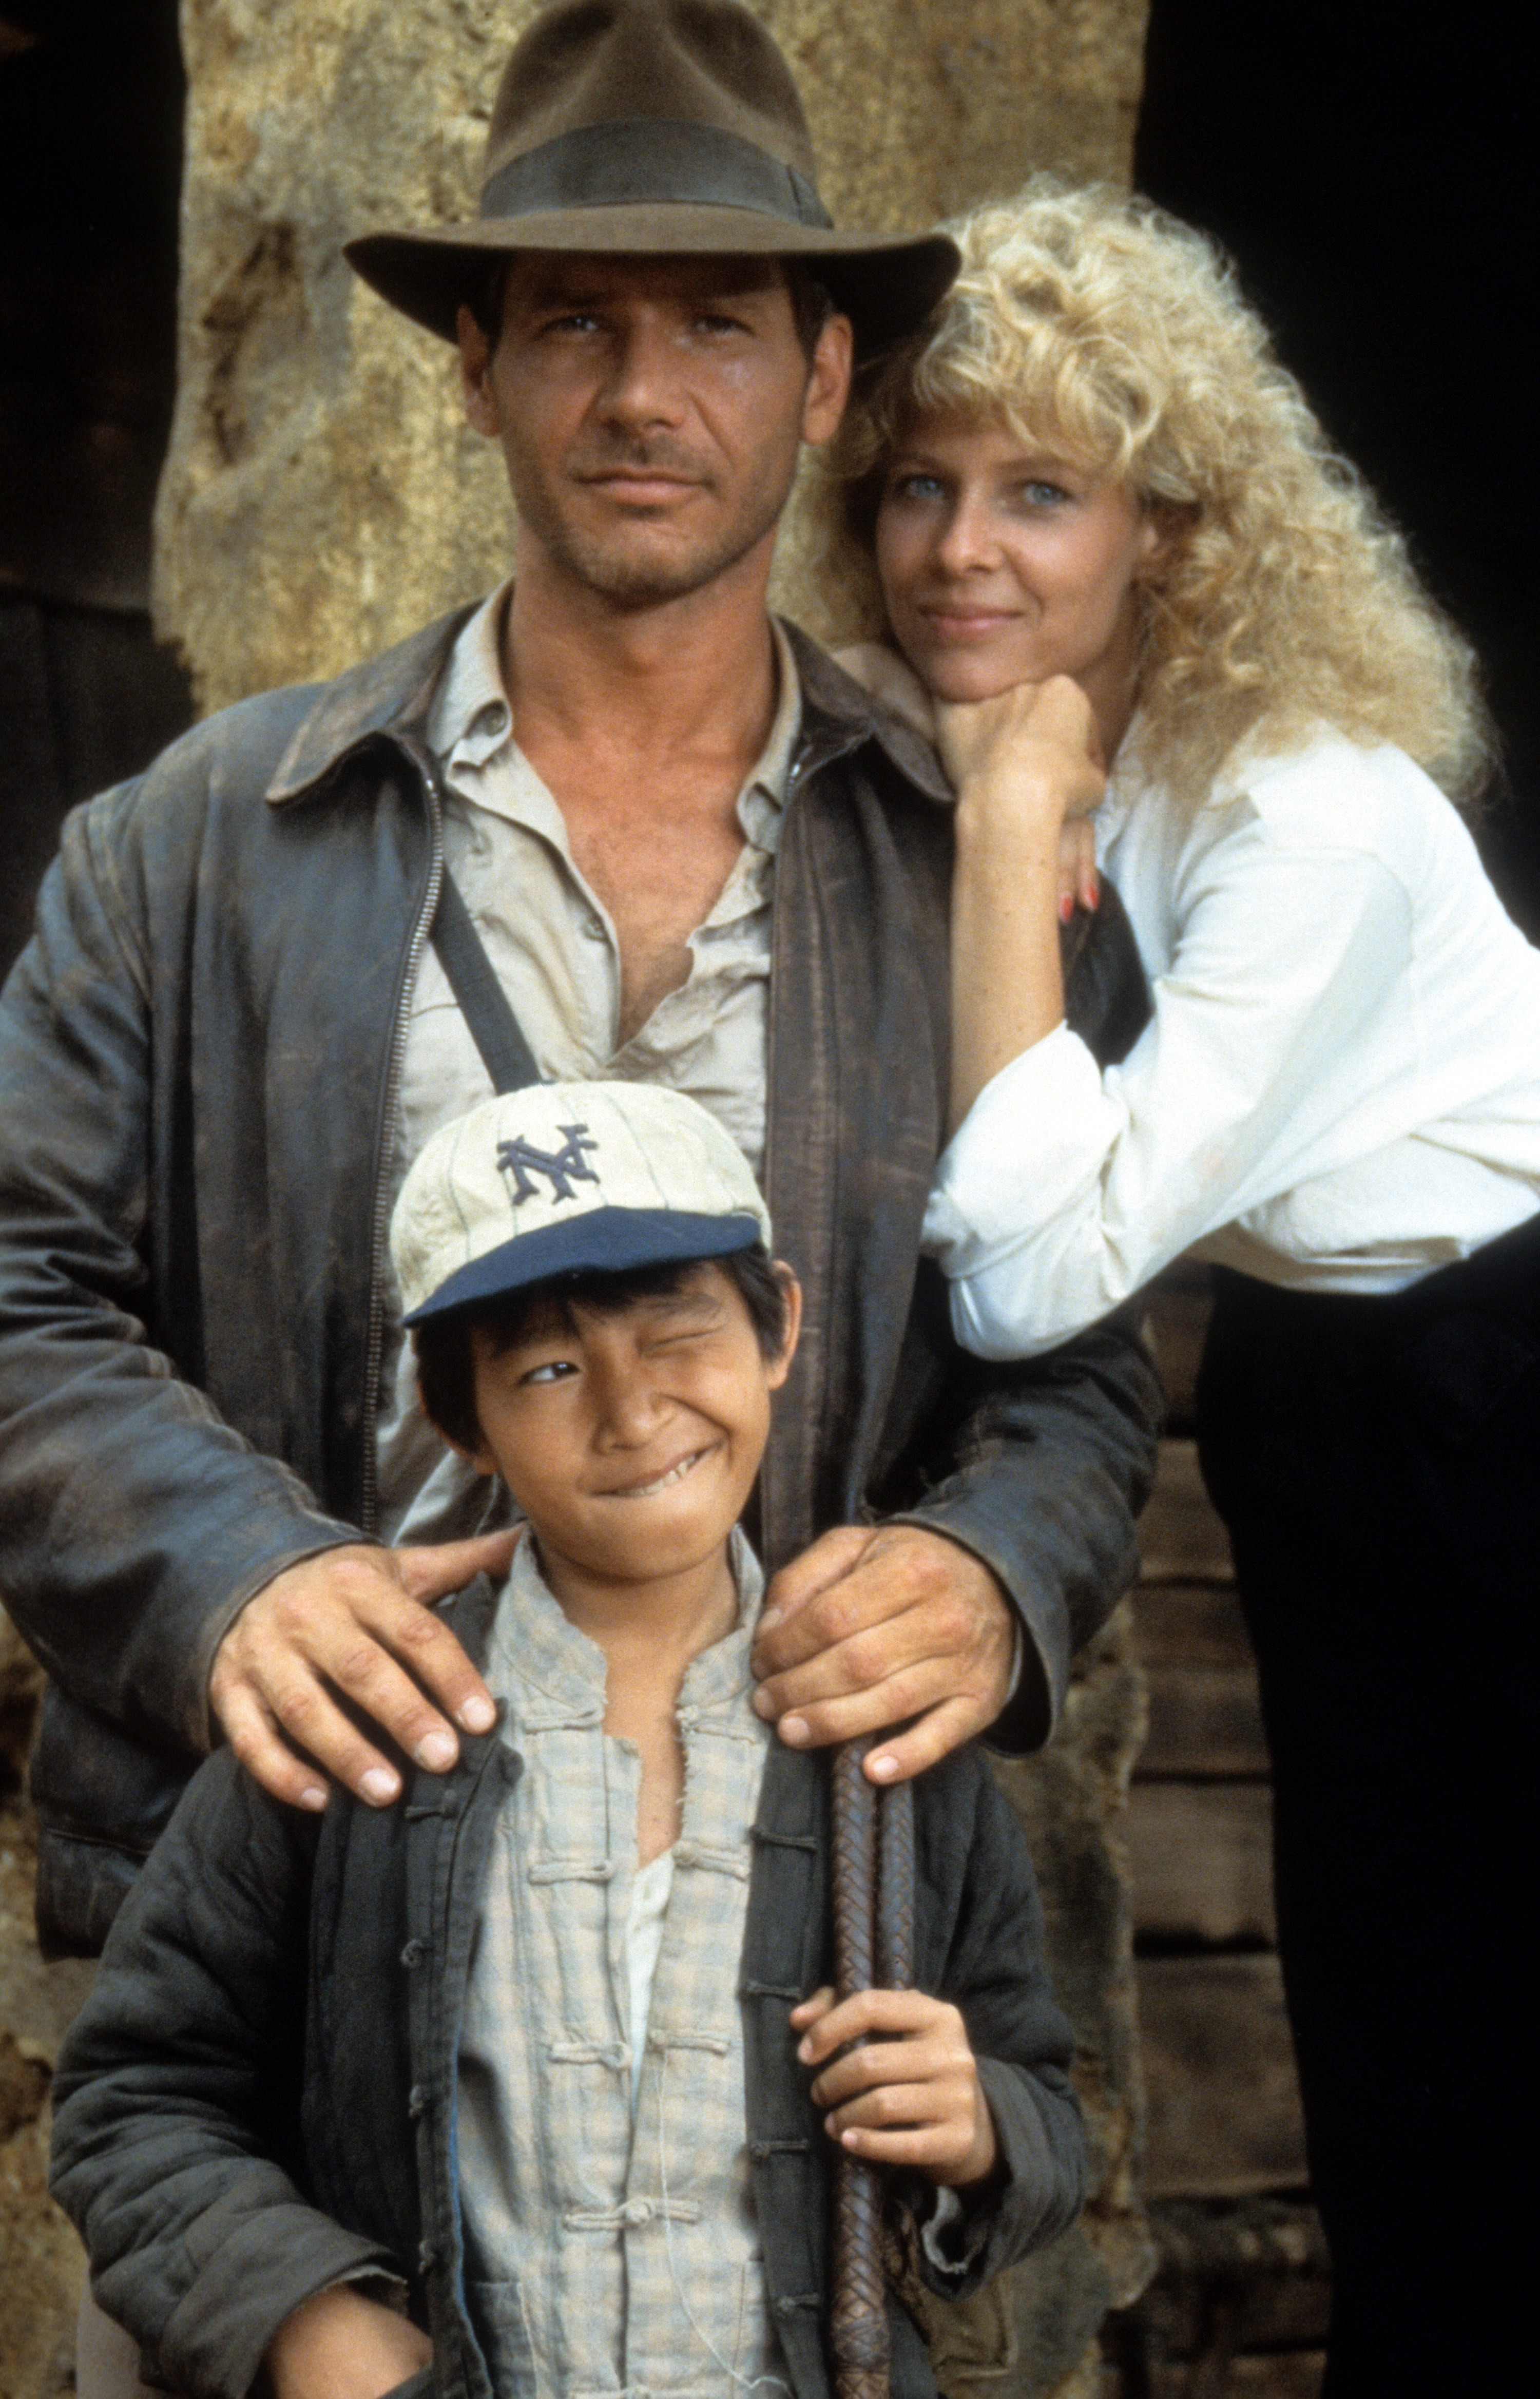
1204, 1723
1180, 1537
1223, 2111
1190, 1624
1201, 1855
1268, 2374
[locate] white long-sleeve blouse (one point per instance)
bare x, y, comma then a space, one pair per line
1339, 1086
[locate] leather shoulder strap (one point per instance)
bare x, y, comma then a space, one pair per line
484, 1002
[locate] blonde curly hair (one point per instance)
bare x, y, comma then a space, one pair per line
1099, 328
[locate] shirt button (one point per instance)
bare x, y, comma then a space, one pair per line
594, 927
637, 2211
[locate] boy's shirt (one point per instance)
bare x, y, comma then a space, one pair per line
612, 2241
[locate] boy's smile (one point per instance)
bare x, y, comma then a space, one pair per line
631, 1437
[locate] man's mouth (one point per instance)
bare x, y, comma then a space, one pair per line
671, 1475
646, 486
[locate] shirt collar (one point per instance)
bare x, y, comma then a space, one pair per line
532, 1644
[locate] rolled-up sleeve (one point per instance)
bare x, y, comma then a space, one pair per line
1066, 1186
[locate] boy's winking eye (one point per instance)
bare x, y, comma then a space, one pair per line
666, 1322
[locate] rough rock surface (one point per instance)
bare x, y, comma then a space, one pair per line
41, 2263
323, 495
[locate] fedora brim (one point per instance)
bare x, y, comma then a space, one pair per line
886, 288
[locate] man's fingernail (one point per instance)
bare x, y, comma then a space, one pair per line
804, 2050
379, 1785
884, 1769
763, 1704
436, 1751
478, 1715
313, 1795
794, 1731
769, 1618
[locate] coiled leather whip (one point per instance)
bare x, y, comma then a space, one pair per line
872, 1882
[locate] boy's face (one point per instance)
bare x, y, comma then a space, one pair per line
631, 1443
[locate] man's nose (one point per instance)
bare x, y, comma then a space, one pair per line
643, 384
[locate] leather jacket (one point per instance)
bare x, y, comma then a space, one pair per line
200, 1053
301, 2127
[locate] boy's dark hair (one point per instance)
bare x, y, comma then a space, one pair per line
446, 1365
812, 301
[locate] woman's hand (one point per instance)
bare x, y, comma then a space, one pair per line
1029, 755
911, 2098
343, 2345
1079, 883
1027, 767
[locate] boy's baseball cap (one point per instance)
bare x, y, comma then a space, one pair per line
566, 1178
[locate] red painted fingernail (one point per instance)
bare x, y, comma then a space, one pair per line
1066, 909
1093, 896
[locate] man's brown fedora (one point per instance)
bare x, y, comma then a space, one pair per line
654, 127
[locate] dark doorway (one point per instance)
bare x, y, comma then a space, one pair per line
90, 139
1370, 170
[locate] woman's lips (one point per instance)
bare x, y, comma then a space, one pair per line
965, 624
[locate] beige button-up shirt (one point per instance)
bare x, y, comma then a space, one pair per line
554, 947
613, 2250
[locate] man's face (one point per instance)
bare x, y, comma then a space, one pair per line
650, 410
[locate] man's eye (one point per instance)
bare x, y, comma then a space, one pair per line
576, 321
714, 324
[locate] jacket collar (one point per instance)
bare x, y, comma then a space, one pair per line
389, 695
837, 715
392, 694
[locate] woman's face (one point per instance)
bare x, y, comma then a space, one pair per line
1003, 564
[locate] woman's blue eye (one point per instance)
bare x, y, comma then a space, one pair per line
916, 487
1042, 494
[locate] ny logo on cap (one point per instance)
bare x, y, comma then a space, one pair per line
521, 1158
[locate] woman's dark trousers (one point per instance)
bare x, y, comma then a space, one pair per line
1377, 1463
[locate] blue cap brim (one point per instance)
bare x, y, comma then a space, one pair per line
603, 1240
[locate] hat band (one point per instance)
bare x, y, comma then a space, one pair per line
633, 164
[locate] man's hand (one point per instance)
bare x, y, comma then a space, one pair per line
342, 2345
874, 1625
358, 1619
911, 2095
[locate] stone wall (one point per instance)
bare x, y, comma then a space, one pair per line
323, 495
41, 2263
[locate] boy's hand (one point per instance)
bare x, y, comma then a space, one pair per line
909, 2099
344, 2345
358, 1619
875, 1625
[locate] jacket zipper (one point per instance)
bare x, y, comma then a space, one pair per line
369, 1509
